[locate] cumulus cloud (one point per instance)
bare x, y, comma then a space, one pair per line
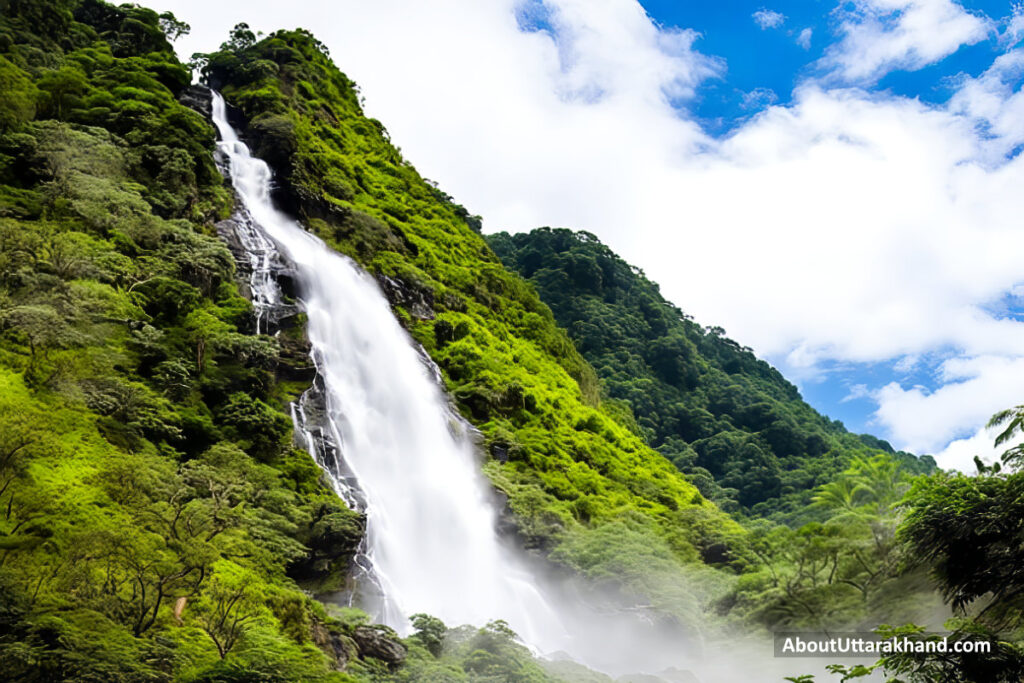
803, 39
881, 35
847, 225
959, 454
973, 389
766, 19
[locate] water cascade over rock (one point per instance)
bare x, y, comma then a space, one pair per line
393, 447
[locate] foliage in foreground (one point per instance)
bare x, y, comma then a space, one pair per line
966, 531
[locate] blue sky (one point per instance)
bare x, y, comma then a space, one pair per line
770, 57
767, 50
837, 184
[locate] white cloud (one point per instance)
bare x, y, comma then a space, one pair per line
973, 390
959, 454
759, 98
766, 19
1014, 26
803, 39
848, 226
881, 35
906, 364
857, 391
993, 104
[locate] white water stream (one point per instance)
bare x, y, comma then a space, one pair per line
431, 536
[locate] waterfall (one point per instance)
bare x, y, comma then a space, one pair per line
401, 455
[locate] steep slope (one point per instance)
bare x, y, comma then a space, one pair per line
730, 421
568, 468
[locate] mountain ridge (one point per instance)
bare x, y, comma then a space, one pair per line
693, 390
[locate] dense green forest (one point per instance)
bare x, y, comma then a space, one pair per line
158, 522
730, 421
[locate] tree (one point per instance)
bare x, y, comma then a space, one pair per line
64, 88
240, 38
263, 430
41, 328
1012, 421
430, 631
228, 603
172, 27
18, 96
968, 529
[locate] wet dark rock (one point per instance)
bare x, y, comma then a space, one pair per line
294, 363
288, 281
380, 643
340, 648
299, 202
228, 232
417, 301
198, 98
506, 524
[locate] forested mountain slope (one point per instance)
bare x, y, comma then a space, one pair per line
568, 467
151, 499
730, 421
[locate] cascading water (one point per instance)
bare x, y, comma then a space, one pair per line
431, 541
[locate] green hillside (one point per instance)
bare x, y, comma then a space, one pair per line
731, 422
571, 466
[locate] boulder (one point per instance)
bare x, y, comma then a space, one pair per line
418, 301
198, 98
339, 648
380, 643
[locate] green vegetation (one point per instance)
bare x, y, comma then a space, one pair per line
846, 572
150, 502
966, 531
584, 488
731, 422
156, 522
